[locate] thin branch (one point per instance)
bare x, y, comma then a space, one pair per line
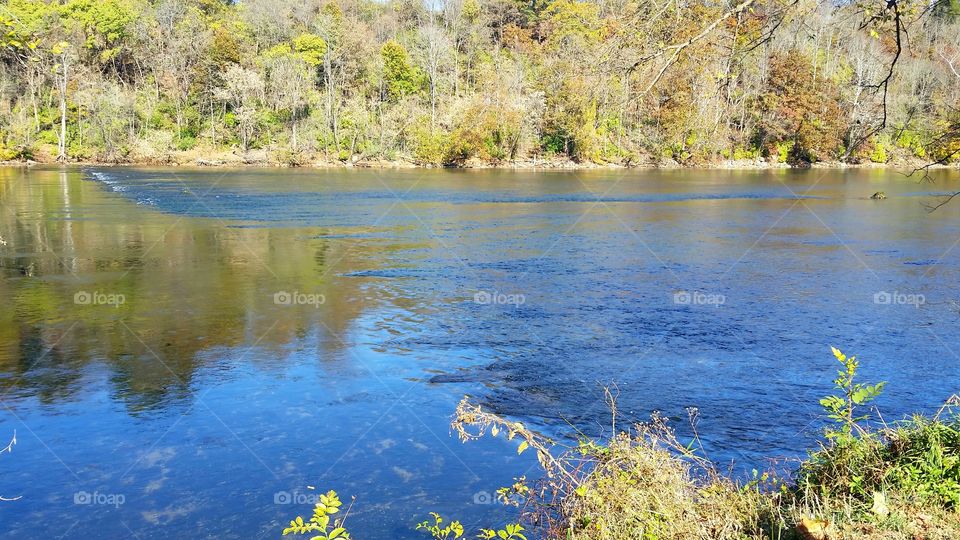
899, 32
944, 200
678, 48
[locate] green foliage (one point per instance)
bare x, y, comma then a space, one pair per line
454, 529
400, 76
570, 20
879, 146
512, 531
487, 133
784, 150
912, 141
740, 153
22, 22
47, 136
321, 522
186, 142
10, 152
278, 51
571, 122
842, 408
879, 154
914, 464
431, 147
438, 531
801, 110
925, 457
311, 48
105, 23
76, 150
326, 528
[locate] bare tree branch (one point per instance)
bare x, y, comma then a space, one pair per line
677, 49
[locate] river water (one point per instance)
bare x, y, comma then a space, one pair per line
185, 353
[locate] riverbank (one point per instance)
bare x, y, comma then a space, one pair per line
276, 159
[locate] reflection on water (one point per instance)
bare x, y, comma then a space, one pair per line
207, 344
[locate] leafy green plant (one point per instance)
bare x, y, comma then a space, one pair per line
879, 154
925, 457
842, 408
431, 147
913, 141
321, 521
438, 531
783, 151
186, 142
512, 531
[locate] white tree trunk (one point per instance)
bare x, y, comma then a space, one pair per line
62, 143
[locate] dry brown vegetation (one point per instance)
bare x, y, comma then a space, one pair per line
644, 483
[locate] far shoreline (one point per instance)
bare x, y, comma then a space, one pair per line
262, 161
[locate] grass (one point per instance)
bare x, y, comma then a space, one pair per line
644, 485
895, 482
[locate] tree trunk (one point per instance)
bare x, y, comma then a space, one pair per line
62, 143
331, 114
433, 105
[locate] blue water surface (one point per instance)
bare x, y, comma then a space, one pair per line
204, 405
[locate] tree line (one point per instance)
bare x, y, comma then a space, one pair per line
455, 81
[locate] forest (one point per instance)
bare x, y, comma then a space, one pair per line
461, 82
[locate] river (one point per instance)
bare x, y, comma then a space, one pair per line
186, 352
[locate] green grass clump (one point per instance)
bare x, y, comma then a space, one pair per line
919, 460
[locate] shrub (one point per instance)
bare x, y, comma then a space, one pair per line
333, 529
784, 150
912, 141
879, 153
186, 142
740, 153
9, 153
401, 76
431, 147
